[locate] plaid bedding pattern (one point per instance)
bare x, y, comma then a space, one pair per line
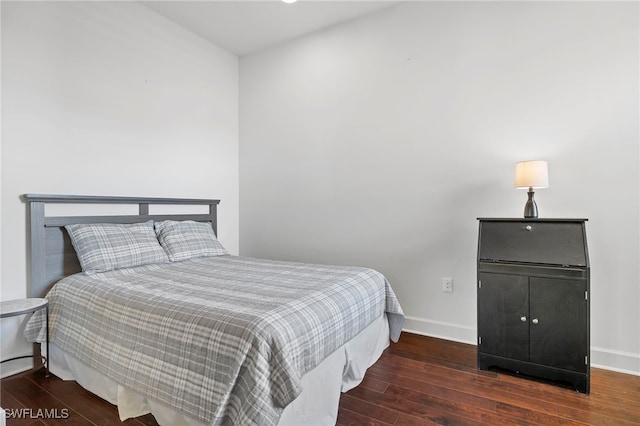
183, 240
103, 247
225, 339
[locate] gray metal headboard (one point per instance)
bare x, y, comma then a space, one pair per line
51, 255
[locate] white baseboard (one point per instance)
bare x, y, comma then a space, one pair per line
607, 359
15, 367
441, 330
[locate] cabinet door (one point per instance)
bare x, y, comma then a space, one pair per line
559, 323
503, 303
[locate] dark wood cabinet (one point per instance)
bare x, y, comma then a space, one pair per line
533, 298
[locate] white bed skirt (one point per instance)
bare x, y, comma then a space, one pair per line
317, 405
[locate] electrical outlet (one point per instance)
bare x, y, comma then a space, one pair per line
447, 285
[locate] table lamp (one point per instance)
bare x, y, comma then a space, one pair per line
530, 175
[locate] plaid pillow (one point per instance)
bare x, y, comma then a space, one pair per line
103, 247
187, 239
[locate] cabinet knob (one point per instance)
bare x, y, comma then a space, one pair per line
523, 319
535, 320
528, 228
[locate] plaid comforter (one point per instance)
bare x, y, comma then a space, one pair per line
224, 339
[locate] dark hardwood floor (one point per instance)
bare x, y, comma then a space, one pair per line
418, 381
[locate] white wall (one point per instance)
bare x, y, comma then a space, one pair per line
380, 141
109, 98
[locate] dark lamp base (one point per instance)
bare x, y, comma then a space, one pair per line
530, 208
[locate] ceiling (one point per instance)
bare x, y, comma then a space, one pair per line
243, 27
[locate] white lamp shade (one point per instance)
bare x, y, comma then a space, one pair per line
532, 174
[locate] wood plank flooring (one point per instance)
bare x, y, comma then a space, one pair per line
418, 381
427, 381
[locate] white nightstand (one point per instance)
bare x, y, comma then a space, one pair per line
12, 308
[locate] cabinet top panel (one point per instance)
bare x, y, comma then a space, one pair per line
513, 219
558, 242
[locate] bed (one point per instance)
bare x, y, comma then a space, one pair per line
202, 339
